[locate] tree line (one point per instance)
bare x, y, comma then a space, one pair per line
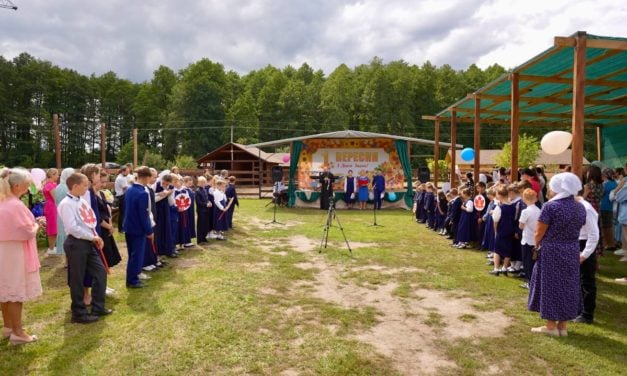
195, 110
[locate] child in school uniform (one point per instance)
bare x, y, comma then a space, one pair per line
456, 212
449, 213
480, 189
190, 213
163, 227
175, 217
504, 217
528, 222
231, 194
418, 201
202, 211
466, 220
221, 206
429, 206
516, 199
183, 233
441, 212
487, 240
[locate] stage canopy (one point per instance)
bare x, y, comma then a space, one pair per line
342, 151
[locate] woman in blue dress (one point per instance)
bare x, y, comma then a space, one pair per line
554, 288
362, 193
349, 190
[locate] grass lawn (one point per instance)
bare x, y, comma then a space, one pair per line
266, 302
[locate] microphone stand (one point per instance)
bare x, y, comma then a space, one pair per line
374, 212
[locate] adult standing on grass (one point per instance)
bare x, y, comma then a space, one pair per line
620, 195
59, 194
120, 186
554, 288
19, 264
50, 209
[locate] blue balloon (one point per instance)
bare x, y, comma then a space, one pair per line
468, 154
392, 196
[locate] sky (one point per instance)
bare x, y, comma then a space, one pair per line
133, 38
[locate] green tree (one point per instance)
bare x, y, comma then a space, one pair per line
443, 168
185, 162
528, 150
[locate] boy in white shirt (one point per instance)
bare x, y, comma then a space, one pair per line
528, 222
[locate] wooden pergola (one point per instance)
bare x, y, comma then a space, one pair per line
580, 81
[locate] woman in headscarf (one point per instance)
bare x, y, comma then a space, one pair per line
554, 288
59, 194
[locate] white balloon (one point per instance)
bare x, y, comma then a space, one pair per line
556, 142
38, 176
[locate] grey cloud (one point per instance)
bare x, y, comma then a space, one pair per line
132, 38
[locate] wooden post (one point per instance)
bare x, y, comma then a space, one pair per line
453, 146
134, 148
57, 140
477, 141
103, 145
436, 152
515, 117
579, 78
599, 153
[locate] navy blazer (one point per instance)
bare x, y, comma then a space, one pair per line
136, 219
202, 199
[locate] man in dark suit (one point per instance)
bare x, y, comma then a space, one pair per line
326, 179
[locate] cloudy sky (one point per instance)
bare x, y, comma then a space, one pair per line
132, 38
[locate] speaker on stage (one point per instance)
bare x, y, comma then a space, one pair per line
424, 175
277, 174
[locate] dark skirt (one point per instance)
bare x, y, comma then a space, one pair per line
488, 241
463, 229
110, 250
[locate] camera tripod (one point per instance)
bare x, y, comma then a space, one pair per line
332, 214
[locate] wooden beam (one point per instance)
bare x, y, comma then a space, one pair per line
477, 139
543, 114
566, 80
430, 117
514, 126
436, 152
453, 149
620, 102
57, 140
579, 87
591, 43
599, 144
103, 145
134, 148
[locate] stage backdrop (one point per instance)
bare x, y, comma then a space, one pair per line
356, 154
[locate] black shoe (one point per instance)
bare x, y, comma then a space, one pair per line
86, 319
495, 273
105, 312
137, 286
582, 320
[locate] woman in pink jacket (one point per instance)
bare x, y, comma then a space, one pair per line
19, 263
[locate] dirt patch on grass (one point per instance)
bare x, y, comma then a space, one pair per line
187, 262
302, 244
408, 328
